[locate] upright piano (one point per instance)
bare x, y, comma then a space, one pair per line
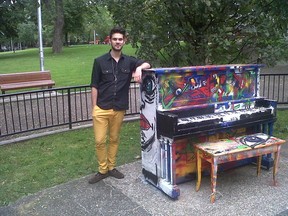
183, 106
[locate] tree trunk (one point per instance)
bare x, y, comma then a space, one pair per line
58, 27
66, 39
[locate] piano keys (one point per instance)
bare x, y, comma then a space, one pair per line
212, 121
181, 107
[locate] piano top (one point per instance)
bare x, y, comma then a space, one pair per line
207, 68
179, 87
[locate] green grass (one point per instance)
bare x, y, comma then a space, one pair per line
30, 166
281, 125
72, 67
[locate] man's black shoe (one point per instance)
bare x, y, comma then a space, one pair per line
116, 174
97, 177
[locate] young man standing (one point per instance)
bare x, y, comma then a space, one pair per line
110, 82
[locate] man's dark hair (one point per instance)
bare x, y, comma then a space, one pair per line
118, 30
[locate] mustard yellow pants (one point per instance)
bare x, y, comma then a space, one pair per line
106, 122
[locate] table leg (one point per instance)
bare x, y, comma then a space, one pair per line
276, 161
259, 161
199, 161
214, 168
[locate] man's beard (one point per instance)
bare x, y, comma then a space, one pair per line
117, 49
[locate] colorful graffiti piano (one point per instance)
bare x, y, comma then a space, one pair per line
181, 107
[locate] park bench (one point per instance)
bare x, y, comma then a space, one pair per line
25, 80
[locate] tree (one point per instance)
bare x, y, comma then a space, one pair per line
98, 19
177, 33
27, 33
70, 17
9, 17
11, 14
19, 20
58, 27
73, 18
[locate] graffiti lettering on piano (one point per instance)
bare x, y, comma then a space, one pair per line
184, 89
231, 106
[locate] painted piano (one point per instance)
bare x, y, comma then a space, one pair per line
181, 107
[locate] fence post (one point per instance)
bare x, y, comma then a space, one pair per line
69, 109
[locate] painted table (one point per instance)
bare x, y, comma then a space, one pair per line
237, 148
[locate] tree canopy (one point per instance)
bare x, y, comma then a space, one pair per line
165, 32
11, 13
201, 32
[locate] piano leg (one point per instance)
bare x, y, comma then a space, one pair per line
199, 163
276, 161
214, 168
259, 161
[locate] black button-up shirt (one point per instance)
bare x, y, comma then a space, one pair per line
112, 80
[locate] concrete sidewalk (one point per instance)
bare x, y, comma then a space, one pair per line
240, 192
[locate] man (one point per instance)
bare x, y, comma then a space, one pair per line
110, 81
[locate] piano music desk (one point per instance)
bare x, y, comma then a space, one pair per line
233, 149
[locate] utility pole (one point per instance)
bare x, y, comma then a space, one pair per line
41, 53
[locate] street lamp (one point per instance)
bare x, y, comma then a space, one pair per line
41, 53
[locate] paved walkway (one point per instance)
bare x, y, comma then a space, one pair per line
241, 192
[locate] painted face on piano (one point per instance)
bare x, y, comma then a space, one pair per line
148, 115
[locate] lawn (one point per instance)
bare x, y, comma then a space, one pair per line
72, 67
27, 167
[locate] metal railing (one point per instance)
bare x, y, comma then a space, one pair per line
272, 86
43, 109
50, 108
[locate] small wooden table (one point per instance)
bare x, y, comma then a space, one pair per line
233, 149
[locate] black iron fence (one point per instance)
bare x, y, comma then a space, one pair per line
50, 108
